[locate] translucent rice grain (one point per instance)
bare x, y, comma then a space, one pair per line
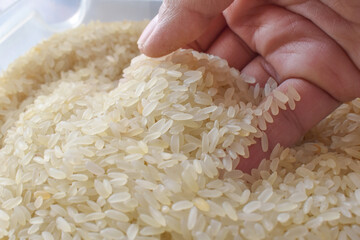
47, 235
4, 216
175, 143
262, 123
11, 203
192, 218
314, 223
265, 195
182, 205
94, 216
132, 231
268, 103
33, 229
252, 206
298, 197
207, 193
38, 202
291, 104
111, 233
157, 215
201, 204
213, 137
283, 217
79, 177
56, 173
248, 79
148, 231
231, 112
227, 162
285, 207
228, 141
274, 108
146, 184
296, 232
251, 217
264, 143
100, 189
230, 211
256, 90
175, 74
193, 77
148, 220
119, 197
149, 108
293, 93
63, 225
330, 216
244, 196
116, 215
268, 118
94, 168
280, 96
181, 116
307, 205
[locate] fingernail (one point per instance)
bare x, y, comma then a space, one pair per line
147, 32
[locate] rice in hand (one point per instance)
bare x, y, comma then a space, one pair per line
153, 155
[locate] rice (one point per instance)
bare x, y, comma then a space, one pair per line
93, 149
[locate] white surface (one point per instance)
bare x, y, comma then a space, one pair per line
4, 4
26, 22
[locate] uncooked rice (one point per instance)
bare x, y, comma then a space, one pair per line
93, 149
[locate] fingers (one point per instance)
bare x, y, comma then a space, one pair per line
296, 53
214, 29
203, 42
296, 48
231, 47
338, 19
180, 23
290, 125
258, 68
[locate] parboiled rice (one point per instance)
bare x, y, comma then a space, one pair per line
153, 155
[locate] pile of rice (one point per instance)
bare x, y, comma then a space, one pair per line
91, 149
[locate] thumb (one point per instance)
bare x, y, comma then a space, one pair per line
179, 23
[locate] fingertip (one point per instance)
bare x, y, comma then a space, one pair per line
253, 161
147, 32
159, 42
152, 51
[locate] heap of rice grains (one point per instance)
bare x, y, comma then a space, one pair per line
153, 156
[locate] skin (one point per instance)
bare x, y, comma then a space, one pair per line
312, 45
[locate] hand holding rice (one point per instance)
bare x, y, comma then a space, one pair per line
153, 155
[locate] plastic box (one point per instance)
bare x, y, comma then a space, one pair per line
26, 22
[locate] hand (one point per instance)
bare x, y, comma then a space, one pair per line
313, 46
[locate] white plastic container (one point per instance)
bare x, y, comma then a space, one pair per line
26, 22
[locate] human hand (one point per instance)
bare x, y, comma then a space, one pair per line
313, 46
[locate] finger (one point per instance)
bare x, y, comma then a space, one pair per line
214, 29
296, 48
338, 19
258, 69
203, 42
147, 31
290, 125
180, 23
231, 47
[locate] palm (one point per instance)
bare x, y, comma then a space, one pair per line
312, 45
